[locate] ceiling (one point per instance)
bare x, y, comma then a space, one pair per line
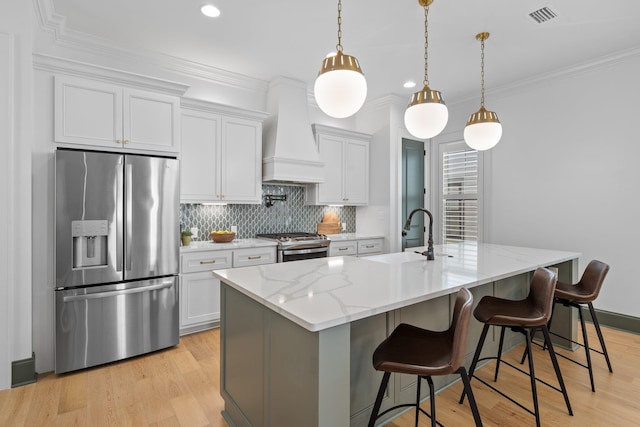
265, 39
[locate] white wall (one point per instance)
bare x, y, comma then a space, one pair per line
384, 119
565, 174
15, 184
43, 223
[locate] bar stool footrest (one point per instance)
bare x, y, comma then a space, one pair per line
520, 370
405, 405
575, 342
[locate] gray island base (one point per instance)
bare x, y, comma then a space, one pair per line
297, 338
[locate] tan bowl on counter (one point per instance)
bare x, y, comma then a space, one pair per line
222, 237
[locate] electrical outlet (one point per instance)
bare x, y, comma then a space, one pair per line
344, 226
234, 229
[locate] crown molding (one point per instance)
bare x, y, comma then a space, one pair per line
48, 20
565, 72
228, 110
55, 26
387, 101
83, 69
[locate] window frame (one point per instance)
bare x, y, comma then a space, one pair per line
483, 159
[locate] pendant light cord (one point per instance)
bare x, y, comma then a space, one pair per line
482, 72
339, 45
425, 82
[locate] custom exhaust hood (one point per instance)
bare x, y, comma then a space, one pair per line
289, 150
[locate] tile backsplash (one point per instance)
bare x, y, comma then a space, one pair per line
291, 215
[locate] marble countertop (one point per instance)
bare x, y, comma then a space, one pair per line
324, 292
210, 245
353, 236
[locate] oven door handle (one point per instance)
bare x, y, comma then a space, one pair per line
304, 249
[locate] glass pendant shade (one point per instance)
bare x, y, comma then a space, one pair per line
340, 88
483, 130
427, 115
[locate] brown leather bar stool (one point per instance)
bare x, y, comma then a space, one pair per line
522, 316
584, 293
415, 351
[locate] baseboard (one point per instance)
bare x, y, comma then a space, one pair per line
23, 371
199, 328
615, 320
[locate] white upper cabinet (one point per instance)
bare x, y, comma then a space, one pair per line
346, 178
99, 114
241, 160
221, 154
198, 156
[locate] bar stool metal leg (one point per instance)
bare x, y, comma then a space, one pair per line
381, 390
476, 356
596, 324
556, 367
585, 338
418, 399
469, 392
432, 401
495, 376
532, 377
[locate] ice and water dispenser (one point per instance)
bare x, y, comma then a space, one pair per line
89, 243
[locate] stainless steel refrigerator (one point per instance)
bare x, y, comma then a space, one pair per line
116, 260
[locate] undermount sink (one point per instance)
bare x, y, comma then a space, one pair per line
398, 257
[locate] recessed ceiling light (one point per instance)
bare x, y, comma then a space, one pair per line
409, 84
210, 10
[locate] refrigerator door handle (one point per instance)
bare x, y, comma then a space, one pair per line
119, 226
141, 289
129, 210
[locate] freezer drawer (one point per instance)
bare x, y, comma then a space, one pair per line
101, 324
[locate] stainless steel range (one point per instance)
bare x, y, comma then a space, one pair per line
297, 246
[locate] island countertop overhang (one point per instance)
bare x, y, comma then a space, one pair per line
322, 293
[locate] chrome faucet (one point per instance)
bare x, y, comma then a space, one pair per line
407, 226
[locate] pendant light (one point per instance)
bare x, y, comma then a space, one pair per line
340, 87
427, 115
483, 130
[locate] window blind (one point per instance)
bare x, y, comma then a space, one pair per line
460, 196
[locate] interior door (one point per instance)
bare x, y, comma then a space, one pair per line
413, 190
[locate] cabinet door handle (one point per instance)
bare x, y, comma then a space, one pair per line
254, 257
118, 141
343, 249
369, 246
126, 141
213, 261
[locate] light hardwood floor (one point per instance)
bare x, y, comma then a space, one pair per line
180, 387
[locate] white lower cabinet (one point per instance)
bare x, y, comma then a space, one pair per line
200, 291
358, 247
343, 248
254, 256
199, 301
369, 247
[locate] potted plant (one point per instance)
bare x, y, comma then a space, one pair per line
186, 237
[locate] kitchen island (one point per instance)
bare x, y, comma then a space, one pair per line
297, 338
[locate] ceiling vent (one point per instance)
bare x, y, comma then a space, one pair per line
543, 15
